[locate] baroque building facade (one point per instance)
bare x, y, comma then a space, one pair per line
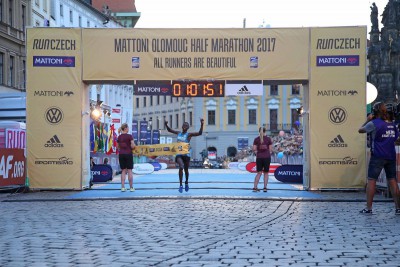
231, 122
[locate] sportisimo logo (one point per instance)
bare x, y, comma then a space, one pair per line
243, 91
54, 142
337, 142
330, 61
54, 161
53, 61
345, 161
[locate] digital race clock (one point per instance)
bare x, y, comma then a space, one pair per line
198, 88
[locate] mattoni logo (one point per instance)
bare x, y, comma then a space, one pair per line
334, 93
337, 115
52, 93
243, 91
54, 142
337, 142
54, 115
53, 61
332, 61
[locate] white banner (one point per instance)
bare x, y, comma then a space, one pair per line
243, 89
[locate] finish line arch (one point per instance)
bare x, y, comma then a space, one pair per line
62, 62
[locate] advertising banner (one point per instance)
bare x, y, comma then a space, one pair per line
12, 167
161, 149
243, 89
176, 54
337, 109
54, 109
135, 133
15, 138
156, 137
143, 132
152, 88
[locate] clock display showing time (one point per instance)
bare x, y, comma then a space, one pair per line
198, 88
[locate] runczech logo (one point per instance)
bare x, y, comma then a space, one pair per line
54, 115
337, 115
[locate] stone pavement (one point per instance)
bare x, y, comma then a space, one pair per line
49, 229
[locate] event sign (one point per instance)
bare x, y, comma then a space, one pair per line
289, 174
12, 167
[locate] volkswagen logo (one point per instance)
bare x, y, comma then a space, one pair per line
54, 115
337, 115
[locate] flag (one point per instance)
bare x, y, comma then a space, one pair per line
110, 142
96, 131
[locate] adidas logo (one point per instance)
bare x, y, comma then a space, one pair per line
243, 91
54, 142
337, 142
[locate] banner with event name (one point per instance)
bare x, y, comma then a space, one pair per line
337, 97
175, 54
54, 100
162, 149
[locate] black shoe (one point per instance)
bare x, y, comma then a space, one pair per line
366, 211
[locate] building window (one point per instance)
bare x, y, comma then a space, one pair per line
165, 99
183, 117
231, 116
295, 115
88, 24
71, 17
151, 100
144, 101
158, 100
24, 74
295, 89
211, 117
61, 10
80, 21
171, 99
1, 10
273, 119
23, 17
190, 118
10, 13
273, 90
177, 120
1, 68
11, 72
170, 120
137, 102
164, 119
252, 116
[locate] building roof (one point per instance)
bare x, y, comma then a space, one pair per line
126, 6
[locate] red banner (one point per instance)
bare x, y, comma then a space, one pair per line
12, 167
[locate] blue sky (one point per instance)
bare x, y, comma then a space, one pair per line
276, 13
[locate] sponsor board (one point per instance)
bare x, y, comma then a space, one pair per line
53, 61
333, 61
101, 173
163, 165
233, 165
242, 165
12, 167
289, 174
156, 165
143, 168
251, 167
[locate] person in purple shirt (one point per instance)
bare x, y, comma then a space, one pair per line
125, 145
262, 147
384, 134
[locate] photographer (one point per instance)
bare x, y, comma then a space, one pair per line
384, 134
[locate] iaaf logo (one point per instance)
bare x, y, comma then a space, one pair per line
331, 61
53, 61
338, 161
9, 168
337, 142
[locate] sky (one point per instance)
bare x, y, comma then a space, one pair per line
275, 13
